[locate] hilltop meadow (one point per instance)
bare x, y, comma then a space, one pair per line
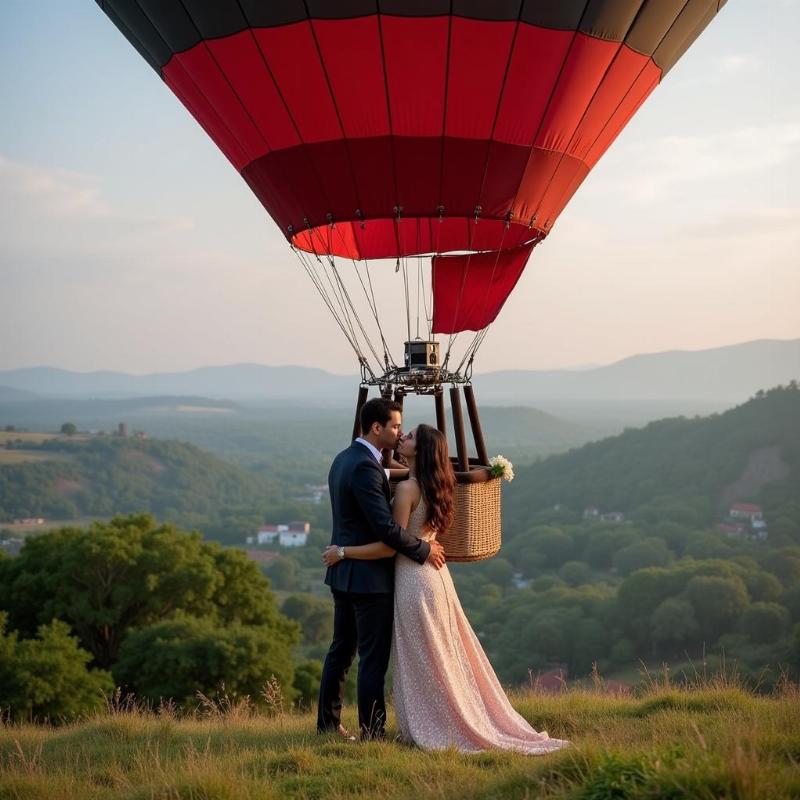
159, 606
708, 739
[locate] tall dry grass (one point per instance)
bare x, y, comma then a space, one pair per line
707, 737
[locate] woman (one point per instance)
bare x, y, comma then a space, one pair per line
445, 691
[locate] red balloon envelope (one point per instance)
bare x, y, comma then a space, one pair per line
415, 126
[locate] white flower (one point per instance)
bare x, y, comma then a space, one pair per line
501, 467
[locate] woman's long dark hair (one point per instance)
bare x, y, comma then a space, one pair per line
435, 476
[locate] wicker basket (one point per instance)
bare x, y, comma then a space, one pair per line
476, 531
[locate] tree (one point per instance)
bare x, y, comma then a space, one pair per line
763, 586
176, 658
764, 622
707, 545
307, 677
622, 653
575, 573
555, 545
794, 647
717, 602
313, 614
282, 572
129, 573
640, 594
785, 565
650, 552
496, 570
605, 543
675, 536
674, 624
47, 677
525, 555
69, 429
791, 601
589, 643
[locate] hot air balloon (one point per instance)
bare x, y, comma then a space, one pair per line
399, 129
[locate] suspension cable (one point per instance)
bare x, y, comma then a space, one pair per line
307, 265
405, 290
343, 289
338, 296
371, 303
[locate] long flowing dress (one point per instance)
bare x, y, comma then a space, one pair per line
446, 693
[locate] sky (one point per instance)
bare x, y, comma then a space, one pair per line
128, 242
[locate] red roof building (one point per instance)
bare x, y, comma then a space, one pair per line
746, 511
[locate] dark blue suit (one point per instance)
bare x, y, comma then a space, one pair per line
363, 591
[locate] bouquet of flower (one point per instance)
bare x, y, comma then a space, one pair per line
501, 467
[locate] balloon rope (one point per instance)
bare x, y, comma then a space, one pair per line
338, 297
408, 303
343, 300
371, 303
342, 296
311, 272
421, 292
346, 294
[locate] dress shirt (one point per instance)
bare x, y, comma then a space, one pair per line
377, 455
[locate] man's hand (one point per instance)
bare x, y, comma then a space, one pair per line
436, 557
331, 555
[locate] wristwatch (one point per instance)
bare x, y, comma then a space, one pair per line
340, 552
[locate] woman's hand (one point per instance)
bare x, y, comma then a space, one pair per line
331, 556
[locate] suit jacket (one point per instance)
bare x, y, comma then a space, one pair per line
360, 502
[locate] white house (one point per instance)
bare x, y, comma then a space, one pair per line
267, 534
292, 534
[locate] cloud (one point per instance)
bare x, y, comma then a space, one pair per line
735, 63
762, 223
664, 166
55, 212
55, 191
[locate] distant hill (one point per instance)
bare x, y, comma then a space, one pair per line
750, 453
523, 433
48, 410
726, 374
103, 476
10, 395
730, 373
231, 381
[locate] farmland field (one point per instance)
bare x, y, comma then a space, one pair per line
23, 456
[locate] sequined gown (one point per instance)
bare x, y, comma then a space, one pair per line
445, 691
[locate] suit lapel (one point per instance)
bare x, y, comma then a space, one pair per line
372, 461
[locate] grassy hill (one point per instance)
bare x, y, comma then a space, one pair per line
712, 741
681, 459
103, 476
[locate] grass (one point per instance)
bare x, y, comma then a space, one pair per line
37, 437
711, 740
20, 529
25, 456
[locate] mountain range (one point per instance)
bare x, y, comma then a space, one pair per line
720, 375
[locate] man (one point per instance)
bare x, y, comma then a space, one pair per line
363, 591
